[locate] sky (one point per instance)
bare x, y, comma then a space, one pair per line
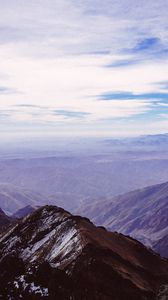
90, 67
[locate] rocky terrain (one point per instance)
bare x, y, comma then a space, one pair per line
56, 255
4, 219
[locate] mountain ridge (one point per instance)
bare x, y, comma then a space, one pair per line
82, 261
13, 198
141, 213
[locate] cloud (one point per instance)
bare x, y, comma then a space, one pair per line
155, 96
144, 51
64, 56
71, 114
147, 44
122, 63
162, 85
7, 90
72, 27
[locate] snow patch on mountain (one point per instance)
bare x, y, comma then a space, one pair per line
31, 287
66, 246
48, 234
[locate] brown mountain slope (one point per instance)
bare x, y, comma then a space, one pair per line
141, 214
61, 256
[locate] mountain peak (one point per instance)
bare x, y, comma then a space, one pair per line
37, 236
85, 260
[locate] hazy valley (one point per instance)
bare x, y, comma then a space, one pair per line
117, 184
70, 172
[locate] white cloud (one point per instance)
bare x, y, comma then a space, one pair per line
48, 54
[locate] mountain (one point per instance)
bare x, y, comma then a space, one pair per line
162, 245
71, 171
56, 255
148, 141
13, 198
23, 212
4, 219
141, 214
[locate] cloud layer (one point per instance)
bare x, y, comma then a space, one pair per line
80, 67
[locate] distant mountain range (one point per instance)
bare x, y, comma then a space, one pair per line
142, 214
23, 212
52, 254
157, 140
79, 171
13, 198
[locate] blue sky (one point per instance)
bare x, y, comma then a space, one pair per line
84, 67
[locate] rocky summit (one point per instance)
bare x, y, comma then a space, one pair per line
52, 254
